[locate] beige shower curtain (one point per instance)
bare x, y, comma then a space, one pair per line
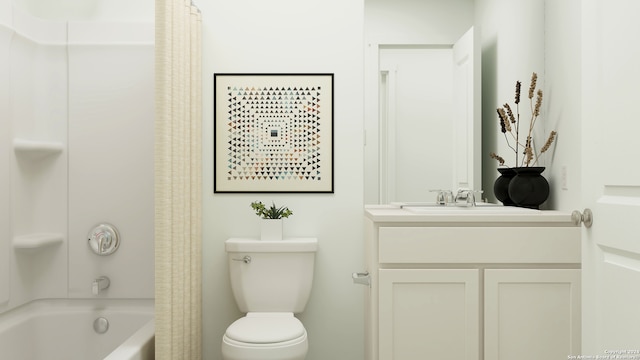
178, 186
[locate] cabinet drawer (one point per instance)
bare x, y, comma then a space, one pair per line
502, 245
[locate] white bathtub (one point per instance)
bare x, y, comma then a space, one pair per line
64, 330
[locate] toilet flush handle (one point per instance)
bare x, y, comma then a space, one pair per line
362, 278
246, 259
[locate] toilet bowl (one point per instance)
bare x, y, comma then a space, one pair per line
265, 336
271, 281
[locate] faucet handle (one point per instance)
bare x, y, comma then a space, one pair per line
467, 196
443, 197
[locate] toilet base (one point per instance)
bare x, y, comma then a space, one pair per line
288, 350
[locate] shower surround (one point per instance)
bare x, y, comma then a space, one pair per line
76, 149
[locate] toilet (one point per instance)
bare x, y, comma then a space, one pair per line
271, 281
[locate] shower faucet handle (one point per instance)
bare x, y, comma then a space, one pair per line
104, 239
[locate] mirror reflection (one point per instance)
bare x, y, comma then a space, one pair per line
422, 96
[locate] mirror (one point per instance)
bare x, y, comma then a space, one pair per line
422, 99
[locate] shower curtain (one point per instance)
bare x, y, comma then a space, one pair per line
178, 186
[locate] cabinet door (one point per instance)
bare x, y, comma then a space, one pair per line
532, 314
428, 314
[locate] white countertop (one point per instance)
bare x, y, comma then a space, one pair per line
484, 214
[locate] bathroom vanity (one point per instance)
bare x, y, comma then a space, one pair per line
486, 282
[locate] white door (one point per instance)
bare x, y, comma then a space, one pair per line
416, 91
611, 177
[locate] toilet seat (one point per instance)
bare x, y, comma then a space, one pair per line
265, 336
266, 328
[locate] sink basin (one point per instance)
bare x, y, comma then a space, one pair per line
479, 208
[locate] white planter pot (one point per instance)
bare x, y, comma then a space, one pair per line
271, 229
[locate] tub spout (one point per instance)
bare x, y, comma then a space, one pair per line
100, 284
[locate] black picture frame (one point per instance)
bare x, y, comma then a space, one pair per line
273, 133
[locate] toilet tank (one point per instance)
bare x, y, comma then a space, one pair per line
271, 276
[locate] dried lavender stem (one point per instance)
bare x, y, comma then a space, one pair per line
547, 145
508, 143
517, 126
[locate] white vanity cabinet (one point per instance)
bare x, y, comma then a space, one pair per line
472, 286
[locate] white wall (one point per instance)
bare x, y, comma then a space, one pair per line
563, 87
96, 10
417, 22
291, 36
95, 99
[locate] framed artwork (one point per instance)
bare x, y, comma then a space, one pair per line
273, 133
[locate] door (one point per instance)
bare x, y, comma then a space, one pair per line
416, 98
611, 176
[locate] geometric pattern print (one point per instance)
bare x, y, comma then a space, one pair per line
274, 133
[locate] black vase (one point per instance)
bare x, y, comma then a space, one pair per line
501, 186
529, 188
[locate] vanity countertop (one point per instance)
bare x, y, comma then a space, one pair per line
394, 213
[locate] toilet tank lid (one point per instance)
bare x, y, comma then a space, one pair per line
285, 245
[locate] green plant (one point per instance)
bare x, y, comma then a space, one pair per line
272, 212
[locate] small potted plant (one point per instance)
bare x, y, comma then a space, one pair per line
271, 225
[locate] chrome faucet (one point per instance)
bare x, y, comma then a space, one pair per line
100, 284
443, 197
466, 197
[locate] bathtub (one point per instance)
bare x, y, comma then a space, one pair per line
78, 330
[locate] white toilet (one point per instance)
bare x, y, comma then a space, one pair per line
271, 281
